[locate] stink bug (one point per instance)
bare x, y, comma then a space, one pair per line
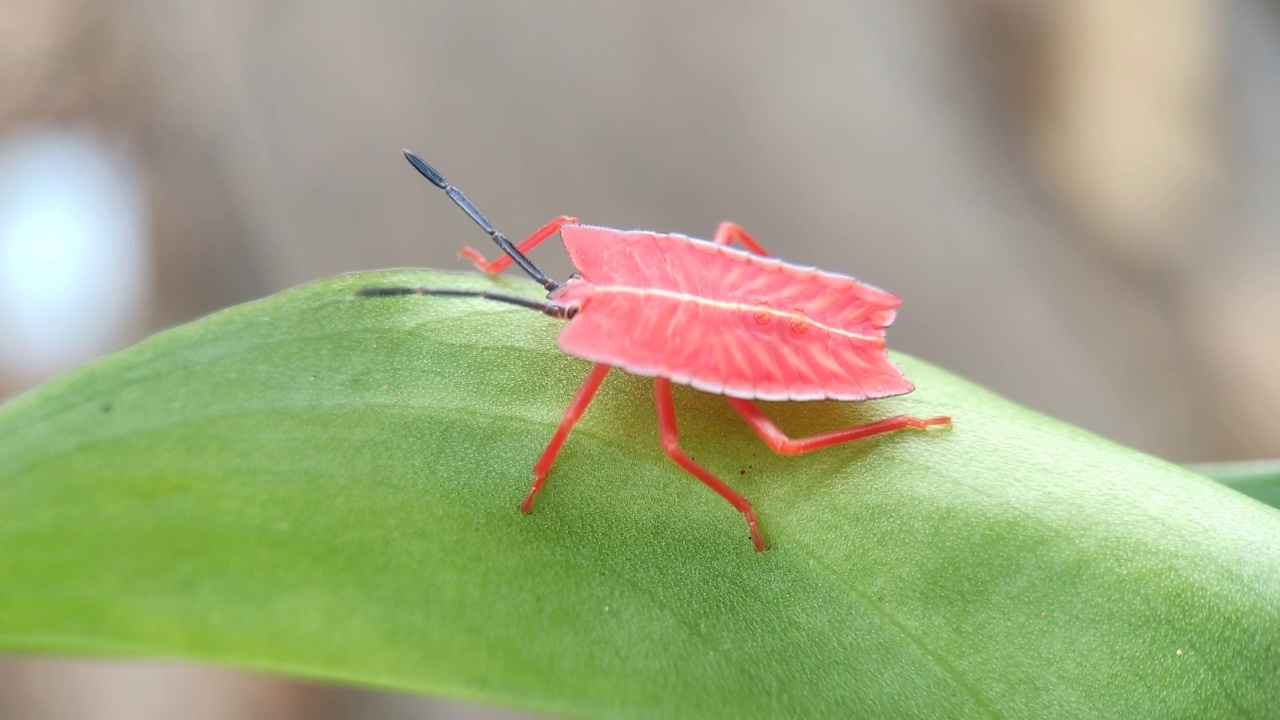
737, 323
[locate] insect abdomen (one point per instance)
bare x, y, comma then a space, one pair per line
728, 322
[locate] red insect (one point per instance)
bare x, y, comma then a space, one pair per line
680, 310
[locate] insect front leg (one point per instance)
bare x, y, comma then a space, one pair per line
728, 232
572, 414
531, 242
671, 445
781, 444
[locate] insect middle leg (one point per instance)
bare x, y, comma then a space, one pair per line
571, 416
531, 242
728, 232
671, 445
781, 444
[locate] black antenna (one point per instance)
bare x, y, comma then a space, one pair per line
560, 312
461, 201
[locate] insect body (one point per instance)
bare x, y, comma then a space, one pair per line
732, 322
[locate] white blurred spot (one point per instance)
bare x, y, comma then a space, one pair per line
74, 266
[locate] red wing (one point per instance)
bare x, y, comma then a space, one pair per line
728, 322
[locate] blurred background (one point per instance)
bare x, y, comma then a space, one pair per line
1078, 200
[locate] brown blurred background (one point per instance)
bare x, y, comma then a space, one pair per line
1079, 200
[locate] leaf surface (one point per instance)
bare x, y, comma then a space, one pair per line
327, 486
1259, 479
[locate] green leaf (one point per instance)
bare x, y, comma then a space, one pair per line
327, 486
1259, 479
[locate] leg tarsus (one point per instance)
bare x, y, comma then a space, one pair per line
671, 445
534, 240
572, 414
728, 232
782, 444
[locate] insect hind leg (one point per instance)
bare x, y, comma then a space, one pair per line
782, 444
728, 232
671, 446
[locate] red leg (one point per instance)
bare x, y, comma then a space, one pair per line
728, 232
571, 415
783, 445
530, 243
671, 445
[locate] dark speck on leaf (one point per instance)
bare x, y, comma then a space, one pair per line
106, 407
